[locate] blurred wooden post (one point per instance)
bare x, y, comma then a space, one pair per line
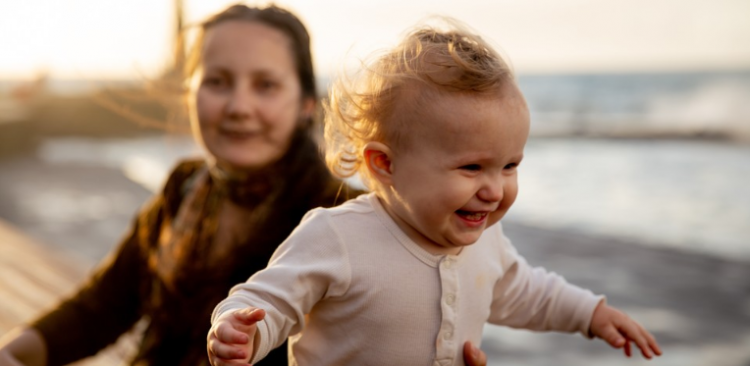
179, 38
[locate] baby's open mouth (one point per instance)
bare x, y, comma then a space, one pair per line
472, 215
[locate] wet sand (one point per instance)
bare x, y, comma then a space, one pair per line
697, 305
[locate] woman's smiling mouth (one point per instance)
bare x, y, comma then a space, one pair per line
238, 134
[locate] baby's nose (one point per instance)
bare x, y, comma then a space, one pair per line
491, 192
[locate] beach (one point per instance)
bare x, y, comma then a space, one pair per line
695, 301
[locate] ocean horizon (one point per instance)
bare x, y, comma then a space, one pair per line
705, 104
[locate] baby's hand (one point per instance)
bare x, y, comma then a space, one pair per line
618, 329
230, 340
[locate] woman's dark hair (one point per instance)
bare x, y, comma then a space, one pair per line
273, 17
170, 91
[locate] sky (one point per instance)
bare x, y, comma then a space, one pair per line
126, 39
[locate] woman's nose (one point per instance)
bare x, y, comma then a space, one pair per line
492, 190
241, 103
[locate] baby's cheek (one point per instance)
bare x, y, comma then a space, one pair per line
495, 217
509, 197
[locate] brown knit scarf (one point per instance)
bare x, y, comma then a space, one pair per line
185, 242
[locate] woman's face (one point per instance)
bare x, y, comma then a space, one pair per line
246, 99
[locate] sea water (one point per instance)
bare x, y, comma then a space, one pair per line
654, 182
687, 194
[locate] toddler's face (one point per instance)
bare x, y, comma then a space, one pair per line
458, 175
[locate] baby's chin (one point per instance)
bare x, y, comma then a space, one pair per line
492, 221
463, 240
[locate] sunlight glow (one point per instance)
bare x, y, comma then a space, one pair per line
115, 39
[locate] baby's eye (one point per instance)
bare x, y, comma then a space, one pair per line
471, 167
511, 166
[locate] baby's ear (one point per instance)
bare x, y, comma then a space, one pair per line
378, 160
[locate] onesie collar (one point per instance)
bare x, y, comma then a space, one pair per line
420, 253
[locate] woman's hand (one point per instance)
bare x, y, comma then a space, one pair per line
618, 329
23, 347
474, 356
231, 338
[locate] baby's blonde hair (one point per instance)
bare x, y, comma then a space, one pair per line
363, 108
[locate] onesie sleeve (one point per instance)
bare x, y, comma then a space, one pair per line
310, 265
535, 299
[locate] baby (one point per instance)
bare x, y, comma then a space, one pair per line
406, 274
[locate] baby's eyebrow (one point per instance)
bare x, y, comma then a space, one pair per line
483, 159
471, 159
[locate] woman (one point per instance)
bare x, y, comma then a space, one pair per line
251, 99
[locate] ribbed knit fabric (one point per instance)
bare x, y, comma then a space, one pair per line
352, 289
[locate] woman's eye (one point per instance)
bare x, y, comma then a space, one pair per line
266, 85
214, 81
471, 167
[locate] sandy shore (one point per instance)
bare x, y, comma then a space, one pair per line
698, 306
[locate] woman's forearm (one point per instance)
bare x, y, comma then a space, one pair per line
23, 345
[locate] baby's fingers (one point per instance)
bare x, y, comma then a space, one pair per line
225, 333
652, 342
245, 319
215, 361
611, 335
650, 346
250, 316
628, 351
640, 336
223, 354
226, 352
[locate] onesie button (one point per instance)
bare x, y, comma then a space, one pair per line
450, 299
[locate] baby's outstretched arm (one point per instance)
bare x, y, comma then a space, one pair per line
618, 329
231, 338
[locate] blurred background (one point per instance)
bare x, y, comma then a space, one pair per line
635, 183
